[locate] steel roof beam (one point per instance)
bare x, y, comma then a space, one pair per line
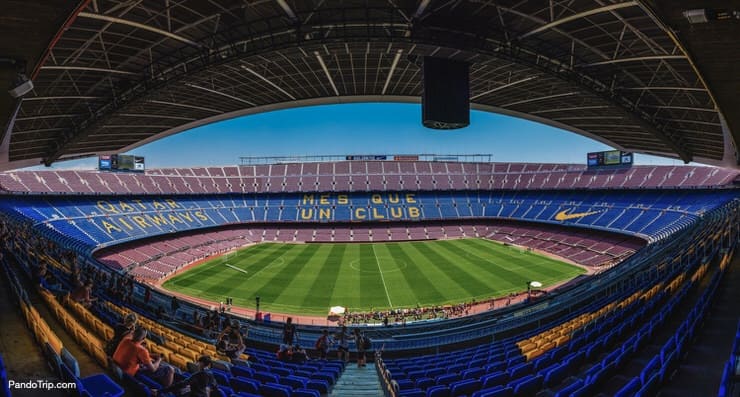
635, 59
501, 87
46, 116
390, 72
266, 80
326, 72
542, 98
286, 7
48, 98
579, 15
138, 25
220, 93
87, 69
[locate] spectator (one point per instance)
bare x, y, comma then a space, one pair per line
299, 355
361, 342
230, 342
174, 305
46, 280
83, 294
289, 332
283, 353
120, 331
343, 339
201, 383
322, 344
131, 356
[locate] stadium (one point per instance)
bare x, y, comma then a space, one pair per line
439, 274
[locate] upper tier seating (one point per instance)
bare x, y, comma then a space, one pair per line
93, 221
360, 176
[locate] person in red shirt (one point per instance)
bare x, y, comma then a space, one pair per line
131, 356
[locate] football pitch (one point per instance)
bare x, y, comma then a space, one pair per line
310, 278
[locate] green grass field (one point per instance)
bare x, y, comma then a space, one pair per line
309, 278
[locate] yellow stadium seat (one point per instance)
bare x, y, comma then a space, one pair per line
561, 340
179, 361
54, 342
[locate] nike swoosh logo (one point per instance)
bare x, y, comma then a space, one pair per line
564, 215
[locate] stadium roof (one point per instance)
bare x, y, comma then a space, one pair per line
113, 75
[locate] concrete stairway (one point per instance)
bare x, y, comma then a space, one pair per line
359, 382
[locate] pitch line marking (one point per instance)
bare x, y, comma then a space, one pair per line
236, 268
355, 265
278, 262
372, 246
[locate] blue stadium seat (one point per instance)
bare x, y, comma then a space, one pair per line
500, 378
147, 381
4, 378
520, 370
473, 373
570, 388
465, 387
630, 389
222, 378
555, 375
264, 377
652, 367
226, 391
53, 359
275, 390
327, 377
70, 361
412, 393
424, 383
239, 384
438, 391
651, 387
306, 393
498, 391
245, 372
527, 386
294, 382
447, 379
135, 387
321, 386
405, 384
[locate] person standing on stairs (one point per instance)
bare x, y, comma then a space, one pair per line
342, 338
363, 344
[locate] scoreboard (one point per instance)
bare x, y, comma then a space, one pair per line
121, 162
610, 158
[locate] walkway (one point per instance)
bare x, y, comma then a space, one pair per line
358, 382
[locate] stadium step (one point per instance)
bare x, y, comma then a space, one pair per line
360, 382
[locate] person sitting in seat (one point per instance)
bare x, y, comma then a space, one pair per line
299, 355
230, 342
132, 357
200, 384
120, 331
83, 294
283, 353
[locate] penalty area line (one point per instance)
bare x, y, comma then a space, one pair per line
236, 268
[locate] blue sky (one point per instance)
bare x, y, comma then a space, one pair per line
370, 128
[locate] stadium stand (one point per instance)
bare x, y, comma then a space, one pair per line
96, 222
365, 176
729, 382
672, 230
